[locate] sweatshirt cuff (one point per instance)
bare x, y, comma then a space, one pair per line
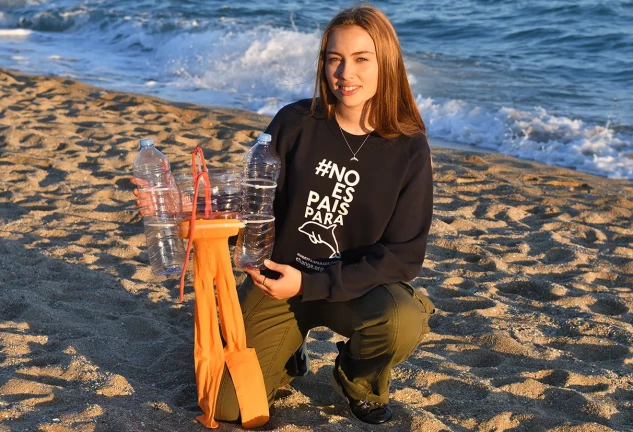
315, 286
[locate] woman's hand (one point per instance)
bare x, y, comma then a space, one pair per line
288, 285
143, 199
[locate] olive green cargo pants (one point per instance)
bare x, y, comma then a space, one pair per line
384, 326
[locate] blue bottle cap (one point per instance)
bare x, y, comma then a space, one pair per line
264, 137
148, 142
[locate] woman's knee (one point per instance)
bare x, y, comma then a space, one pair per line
406, 317
415, 312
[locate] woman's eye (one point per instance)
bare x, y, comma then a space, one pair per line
333, 59
362, 59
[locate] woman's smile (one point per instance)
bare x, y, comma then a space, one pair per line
347, 90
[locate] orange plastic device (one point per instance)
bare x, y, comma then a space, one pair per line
212, 262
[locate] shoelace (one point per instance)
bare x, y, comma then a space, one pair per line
370, 405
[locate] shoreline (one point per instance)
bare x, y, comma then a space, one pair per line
433, 141
530, 267
442, 143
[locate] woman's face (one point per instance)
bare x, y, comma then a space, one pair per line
351, 66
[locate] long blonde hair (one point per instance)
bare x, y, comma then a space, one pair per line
393, 109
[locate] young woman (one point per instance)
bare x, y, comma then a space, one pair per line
353, 209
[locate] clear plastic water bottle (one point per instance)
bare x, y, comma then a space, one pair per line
160, 204
259, 177
255, 241
225, 193
259, 182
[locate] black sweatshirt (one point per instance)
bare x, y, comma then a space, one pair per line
349, 226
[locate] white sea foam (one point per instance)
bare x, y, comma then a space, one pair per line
535, 135
261, 69
14, 33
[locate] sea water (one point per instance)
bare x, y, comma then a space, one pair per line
543, 80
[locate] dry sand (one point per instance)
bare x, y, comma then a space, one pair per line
530, 266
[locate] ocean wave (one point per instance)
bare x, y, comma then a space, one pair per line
93, 20
605, 150
262, 68
54, 21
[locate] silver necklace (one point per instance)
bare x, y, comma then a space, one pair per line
354, 153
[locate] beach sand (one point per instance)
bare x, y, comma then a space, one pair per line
530, 267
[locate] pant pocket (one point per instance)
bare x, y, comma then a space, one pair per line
427, 306
426, 303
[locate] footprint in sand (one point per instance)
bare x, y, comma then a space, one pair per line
592, 349
559, 255
464, 304
528, 289
556, 378
623, 394
609, 307
568, 401
477, 358
459, 390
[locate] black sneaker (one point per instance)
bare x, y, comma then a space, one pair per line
365, 411
298, 364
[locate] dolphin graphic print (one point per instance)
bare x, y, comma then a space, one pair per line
318, 233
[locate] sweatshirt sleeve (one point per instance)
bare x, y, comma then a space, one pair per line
399, 254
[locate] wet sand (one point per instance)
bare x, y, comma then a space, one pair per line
530, 267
